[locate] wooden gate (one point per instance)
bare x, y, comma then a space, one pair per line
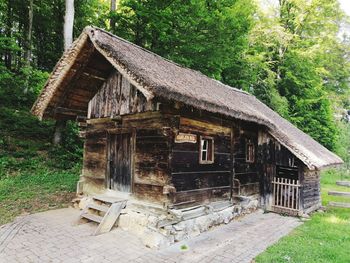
120, 156
285, 196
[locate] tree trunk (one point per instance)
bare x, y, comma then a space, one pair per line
28, 44
112, 21
29, 33
68, 24
59, 129
68, 39
9, 17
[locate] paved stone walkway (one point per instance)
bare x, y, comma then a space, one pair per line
52, 237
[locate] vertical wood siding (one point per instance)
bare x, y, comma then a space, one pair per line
117, 97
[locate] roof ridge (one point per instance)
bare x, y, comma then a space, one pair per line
168, 60
133, 44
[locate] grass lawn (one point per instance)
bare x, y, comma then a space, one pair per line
324, 238
34, 175
35, 191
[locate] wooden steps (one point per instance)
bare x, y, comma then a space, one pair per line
103, 210
97, 207
92, 217
343, 183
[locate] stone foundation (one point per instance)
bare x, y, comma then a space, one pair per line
157, 230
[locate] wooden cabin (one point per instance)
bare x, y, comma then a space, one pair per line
171, 136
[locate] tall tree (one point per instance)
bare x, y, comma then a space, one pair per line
68, 39
112, 19
29, 33
68, 24
297, 60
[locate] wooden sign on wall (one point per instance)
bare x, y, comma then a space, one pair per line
186, 137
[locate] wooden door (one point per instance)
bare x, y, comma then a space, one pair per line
120, 154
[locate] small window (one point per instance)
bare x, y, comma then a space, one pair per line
291, 161
250, 152
206, 150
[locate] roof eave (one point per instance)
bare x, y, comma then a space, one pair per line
57, 76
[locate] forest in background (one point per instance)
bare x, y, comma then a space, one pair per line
292, 56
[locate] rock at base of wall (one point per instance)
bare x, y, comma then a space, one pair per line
159, 231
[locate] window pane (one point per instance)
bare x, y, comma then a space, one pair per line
210, 150
204, 155
205, 144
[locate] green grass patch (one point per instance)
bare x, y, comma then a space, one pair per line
324, 238
35, 175
36, 189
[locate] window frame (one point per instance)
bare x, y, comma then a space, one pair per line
211, 141
249, 145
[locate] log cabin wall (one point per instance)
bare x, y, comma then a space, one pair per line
246, 178
200, 183
153, 136
150, 156
267, 167
95, 155
197, 182
310, 190
119, 107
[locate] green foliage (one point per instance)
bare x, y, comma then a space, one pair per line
26, 140
68, 154
12, 92
209, 36
343, 143
298, 61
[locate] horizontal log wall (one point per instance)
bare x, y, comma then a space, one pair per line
245, 172
311, 190
196, 182
151, 164
150, 156
95, 153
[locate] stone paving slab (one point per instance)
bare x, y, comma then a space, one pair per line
53, 236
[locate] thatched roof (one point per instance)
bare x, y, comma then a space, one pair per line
156, 76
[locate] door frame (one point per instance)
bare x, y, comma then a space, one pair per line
110, 133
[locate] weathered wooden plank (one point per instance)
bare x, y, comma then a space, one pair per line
336, 193
118, 97
204, 127
150, 192
192, 181
198, 196
343, 183
68, 111
339, 204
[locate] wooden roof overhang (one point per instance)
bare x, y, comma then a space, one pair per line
85, 76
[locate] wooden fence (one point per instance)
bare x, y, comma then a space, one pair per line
286, 195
